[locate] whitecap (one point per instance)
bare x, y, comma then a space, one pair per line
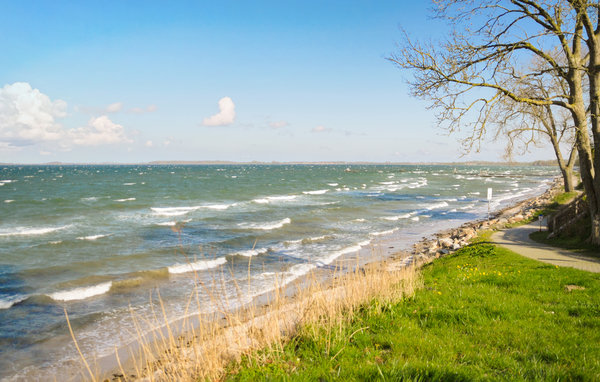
436, 205
124, 200
332, 184
266, 226
8, 201
128, 184
251, 252
81, 293
197, 266
9, 301
173, 211
316, 192
384, 232
26, 231
396, 218
91, 237
415, 219
269, 199
334, 255
218, 206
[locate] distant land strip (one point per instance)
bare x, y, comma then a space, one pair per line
216, 162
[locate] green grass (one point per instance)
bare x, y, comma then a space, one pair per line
483, 313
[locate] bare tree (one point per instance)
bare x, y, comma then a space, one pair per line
524, 125
479, 65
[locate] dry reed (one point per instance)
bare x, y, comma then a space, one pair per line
202, 345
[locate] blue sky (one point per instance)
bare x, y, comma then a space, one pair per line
135, 81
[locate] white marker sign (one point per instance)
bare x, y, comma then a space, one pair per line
489, 194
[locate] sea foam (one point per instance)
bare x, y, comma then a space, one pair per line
269, 199
91, 237
266, 226
27, 231
197, 266
251, 252
7, 302
316, 192
173, 211
81, 293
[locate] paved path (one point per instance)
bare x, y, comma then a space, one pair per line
517, 240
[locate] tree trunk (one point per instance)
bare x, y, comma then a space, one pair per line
567, 174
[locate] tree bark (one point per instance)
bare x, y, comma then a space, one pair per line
567, 174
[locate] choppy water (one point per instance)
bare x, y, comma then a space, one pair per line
98, 239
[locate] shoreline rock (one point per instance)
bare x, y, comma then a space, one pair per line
448, 241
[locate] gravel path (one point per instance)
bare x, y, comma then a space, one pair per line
517, 240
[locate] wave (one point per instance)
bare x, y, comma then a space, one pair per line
334, 255
173, 211
27, 231
266, 226
269, 199
128, 184
89, 199
396, 218
415, 219
81, 293
7, 302
436, 206
384, 232
197, 266
91, 237
8, 201
218, 206
332, 184
316, 192
124, 200
309, 240
251, 252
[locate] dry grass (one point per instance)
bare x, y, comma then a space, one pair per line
200, 346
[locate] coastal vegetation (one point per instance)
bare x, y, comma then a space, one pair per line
495, 53
482, 313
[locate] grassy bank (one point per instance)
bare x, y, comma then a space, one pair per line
482, 313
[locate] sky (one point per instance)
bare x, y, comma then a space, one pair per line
139, 81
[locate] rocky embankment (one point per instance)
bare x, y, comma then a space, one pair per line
448, 241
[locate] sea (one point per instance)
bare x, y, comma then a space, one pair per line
104, 242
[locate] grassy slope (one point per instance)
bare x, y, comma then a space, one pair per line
576, 240
483, 313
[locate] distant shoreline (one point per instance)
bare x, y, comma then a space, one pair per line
276, 163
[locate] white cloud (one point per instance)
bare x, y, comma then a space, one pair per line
320, 129
149, 144
27, 116
114, 107
279, 124
99, 131
225, 116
